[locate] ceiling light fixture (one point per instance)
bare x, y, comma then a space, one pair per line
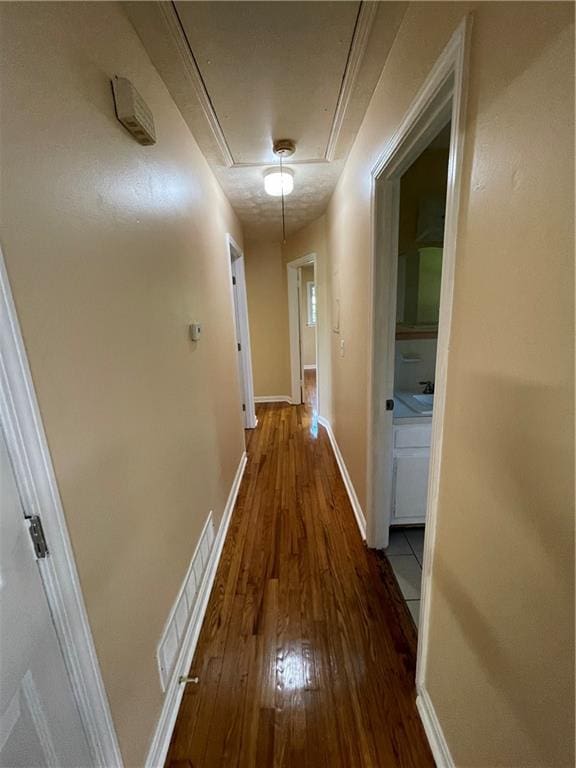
279, 182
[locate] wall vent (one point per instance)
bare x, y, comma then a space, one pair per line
183, 608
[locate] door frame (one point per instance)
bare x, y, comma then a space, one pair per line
292, 272
242, 326
37, 485
441, 99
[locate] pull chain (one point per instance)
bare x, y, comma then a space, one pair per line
282, 190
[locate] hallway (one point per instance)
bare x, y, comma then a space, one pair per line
328, 218
307, 652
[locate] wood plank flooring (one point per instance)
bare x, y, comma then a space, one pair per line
310, 390
307, 654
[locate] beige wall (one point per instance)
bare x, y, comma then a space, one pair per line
313, 239
500, 667
266, 286
112, 249
307, 332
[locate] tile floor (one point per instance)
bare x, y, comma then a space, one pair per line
405, 552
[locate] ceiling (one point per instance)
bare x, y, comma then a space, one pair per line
246, 73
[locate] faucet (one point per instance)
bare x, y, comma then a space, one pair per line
428, 387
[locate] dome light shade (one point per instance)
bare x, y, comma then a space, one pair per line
276, 181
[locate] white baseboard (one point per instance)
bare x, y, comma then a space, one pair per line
161, 739
433, 729
311, 367
273, 399
358, 513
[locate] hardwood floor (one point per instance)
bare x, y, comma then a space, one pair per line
310, 393
306, 658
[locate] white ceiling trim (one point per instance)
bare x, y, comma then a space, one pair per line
364, 22
365, 19
174, 25
313, 161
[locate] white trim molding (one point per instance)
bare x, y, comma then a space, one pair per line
433, 730
452, 65
441, 99
242, 326
358, 46
175, 690
273, 399
293, 282
310, 367
362, 29
347, 480
34, 472
174, 26
438, 102
293, 277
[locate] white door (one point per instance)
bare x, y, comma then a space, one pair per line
39, 721
239, 355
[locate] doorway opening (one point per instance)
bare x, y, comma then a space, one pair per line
436, 118
242, 327
308, 322
303, 327
421, 216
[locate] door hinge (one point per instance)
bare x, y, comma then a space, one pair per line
37, 536
243, 406
233, 280
239, 347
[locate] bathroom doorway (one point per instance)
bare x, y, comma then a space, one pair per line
421, 216
437, 115
412, 285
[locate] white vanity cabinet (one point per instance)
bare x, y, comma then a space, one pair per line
410, 478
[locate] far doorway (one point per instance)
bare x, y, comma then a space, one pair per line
303, 320
308, 320
242, 327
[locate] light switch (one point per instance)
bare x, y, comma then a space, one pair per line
195, 331
341, 347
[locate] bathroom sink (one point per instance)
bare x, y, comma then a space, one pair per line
427, 400
418, 404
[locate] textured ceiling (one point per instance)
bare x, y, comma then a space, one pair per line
246, 73
261, 214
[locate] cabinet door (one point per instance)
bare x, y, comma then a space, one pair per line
411, 488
